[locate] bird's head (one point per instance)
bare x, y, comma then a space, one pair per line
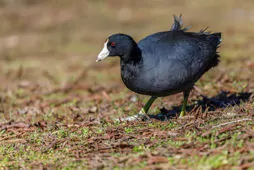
117, 45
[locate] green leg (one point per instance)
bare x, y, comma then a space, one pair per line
185, 95
142, 115
147, 106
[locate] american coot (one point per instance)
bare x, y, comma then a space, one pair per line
163, 63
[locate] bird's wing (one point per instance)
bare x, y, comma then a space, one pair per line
192, 50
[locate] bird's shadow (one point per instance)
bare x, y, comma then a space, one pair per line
221, 100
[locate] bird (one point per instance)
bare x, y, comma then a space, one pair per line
164, 63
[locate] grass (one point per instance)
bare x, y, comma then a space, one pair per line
58, 106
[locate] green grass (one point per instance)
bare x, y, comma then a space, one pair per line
58, 107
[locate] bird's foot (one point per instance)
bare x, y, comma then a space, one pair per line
182, 114
141, 116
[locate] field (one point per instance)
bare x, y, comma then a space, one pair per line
59, 107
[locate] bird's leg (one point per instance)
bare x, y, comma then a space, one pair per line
142, 115
185, 95
147, 106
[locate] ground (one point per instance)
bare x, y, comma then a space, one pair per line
59, 108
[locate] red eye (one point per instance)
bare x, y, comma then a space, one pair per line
112, 44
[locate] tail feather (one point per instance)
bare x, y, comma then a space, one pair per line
178, 24
215, 39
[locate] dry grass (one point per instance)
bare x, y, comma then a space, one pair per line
58, 105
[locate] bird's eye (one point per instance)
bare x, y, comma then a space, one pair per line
112, 44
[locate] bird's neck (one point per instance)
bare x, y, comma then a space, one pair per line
130, 66
133, 56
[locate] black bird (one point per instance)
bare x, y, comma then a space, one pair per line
164, 63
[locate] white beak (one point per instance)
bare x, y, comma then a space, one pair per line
104, 52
